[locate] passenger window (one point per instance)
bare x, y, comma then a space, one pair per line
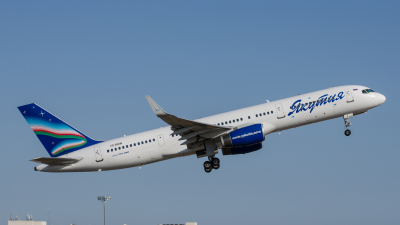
123, 147
241, 119
142, 142
138, 143
226, 122
306, 104
256, 115
108, 150
272, 112
115, 149
218, 124
249, 117
237, 120
154, 139
260, 114
127, 146
233, 120
229, 121
145, 142
150, 140
111, 150
314, 102
119, 148
134, 144
131, 145
267, 113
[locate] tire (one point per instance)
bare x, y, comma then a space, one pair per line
216, 166
347, 132
207, 170
215, 161
207, 165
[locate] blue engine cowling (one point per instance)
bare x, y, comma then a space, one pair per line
244, 136
241, 150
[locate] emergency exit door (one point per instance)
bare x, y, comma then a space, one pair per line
279, 111
161, 141
97, 154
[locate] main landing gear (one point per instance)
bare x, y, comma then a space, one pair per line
213, 163
346, 118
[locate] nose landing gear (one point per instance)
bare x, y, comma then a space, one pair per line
346, 118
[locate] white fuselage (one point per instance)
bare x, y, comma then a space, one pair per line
165, 146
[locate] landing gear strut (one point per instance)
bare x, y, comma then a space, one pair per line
213, 163
346, 118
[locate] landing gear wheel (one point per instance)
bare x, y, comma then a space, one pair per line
215, 166
215, 163
347, 132
207, 166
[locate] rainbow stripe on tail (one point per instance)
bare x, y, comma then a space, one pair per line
57, 137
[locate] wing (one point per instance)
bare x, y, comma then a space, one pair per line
55, 161
189, 130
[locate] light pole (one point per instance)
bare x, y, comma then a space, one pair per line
104, 199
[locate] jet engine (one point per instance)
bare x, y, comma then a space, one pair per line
244, 136
241, 150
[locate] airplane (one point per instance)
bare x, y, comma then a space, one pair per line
233, 133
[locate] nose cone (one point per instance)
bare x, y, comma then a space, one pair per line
381, 98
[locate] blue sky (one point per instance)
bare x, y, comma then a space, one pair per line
91, 63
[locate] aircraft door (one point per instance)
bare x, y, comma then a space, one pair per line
279, 111
161, 141
349, 95
97, 154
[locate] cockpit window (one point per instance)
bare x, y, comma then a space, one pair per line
366, 91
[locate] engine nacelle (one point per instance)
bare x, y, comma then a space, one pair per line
241, 150
244, 136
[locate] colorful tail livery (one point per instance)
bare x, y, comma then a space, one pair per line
57, 137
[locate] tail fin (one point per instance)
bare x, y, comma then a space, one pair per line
57, 137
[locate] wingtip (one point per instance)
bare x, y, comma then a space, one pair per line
155, 107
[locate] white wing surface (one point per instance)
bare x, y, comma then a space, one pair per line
189, 130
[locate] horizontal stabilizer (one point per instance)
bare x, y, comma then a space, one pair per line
56, 161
